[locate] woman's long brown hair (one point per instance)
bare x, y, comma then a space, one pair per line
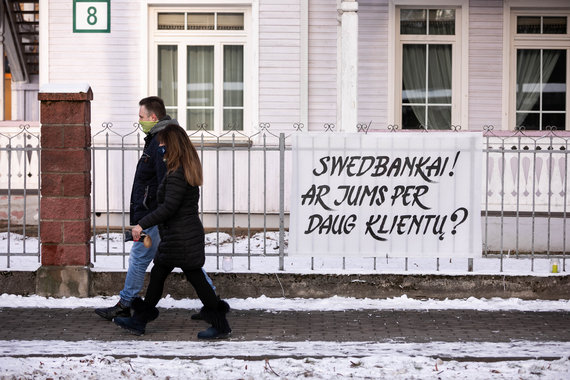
181, 151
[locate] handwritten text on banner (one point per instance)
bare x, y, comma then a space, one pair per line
396, 194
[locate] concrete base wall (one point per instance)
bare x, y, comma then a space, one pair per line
243, 285
63, 281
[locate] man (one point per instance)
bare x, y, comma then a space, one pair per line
148, 175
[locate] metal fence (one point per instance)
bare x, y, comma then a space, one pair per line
19, 192
245, 196
526, 193
243, 193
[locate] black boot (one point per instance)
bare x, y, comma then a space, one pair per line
198, 316
217, 317
116, 311
143, 313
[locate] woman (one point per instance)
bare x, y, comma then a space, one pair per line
182, 237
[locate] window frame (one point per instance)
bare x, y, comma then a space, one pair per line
537, 42
459, 112
216, 38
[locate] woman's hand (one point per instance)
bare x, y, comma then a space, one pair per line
137, 232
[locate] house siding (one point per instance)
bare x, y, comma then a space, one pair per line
109, 62
373, 63
279, 62
322, 63
485, 63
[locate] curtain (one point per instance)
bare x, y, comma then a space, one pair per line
414, 81
529, 81
438, 82
168, 76
200, 87
233, 87
439, 86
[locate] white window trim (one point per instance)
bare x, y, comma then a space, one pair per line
460, 107
151, 37
546, 8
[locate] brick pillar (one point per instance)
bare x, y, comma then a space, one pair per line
65, 190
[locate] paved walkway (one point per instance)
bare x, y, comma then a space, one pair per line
288, 326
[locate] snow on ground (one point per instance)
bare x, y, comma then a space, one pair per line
372, 367
304, 304
389, 366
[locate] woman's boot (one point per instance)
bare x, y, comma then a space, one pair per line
143, 313
217, 317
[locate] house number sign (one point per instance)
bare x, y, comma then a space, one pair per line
91, 16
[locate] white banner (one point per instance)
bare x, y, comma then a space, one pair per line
404, 194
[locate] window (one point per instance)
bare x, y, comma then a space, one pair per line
541, 88
199, 65
200, 21
428, 52
540, 79
541, 25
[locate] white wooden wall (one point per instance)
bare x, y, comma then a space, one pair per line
279, 62
373, 63
485, 63
109, 62
228, 184
322, 63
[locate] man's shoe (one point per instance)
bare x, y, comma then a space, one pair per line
131, 324
213, 333
116, 311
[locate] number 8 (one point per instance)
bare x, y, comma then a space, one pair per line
92, 19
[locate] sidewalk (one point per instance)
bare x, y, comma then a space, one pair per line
400, 326
47, 343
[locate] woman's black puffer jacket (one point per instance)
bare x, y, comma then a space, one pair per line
181, 231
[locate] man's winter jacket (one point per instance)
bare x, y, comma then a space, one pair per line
148, 175
181, 231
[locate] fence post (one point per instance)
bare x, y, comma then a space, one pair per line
65, 190
281, 201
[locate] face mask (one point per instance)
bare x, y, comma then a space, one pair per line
147, 125
162, 150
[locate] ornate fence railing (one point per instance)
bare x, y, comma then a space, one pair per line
19, 192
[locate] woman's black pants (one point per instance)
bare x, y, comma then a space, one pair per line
196, 277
